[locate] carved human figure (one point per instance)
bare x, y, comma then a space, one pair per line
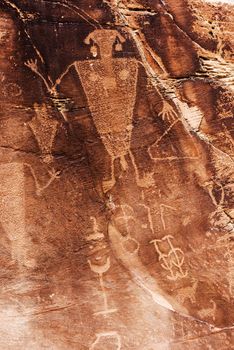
171, 260
110, 87
99, 263
44, 129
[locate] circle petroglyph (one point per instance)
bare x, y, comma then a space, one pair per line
93, 77
124, 74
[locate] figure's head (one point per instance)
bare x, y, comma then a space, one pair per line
105, 39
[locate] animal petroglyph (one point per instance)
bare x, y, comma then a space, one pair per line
208, 312
101, 338
172, 260
187, 293
44, 129
99, 265
12, 211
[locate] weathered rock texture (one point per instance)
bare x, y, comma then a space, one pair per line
116, 167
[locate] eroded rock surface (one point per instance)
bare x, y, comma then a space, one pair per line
116, 165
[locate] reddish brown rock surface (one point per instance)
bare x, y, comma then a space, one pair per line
116, 191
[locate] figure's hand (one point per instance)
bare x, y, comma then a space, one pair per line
32, 64
168, 113
54, 174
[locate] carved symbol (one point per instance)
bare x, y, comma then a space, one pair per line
12, 90
100, 268
44, 129
173, 260
100, 337
3, 35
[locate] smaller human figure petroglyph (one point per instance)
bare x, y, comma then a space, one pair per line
187, 293
172, 260
128, 243
100, 338
53, 175
208, 312
44, 129
127, 215
99, 264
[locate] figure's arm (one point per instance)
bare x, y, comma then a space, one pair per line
60, 78
50, 86
32, 64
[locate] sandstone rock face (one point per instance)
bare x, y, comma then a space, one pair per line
116, 166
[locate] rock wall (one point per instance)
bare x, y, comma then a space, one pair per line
116, 166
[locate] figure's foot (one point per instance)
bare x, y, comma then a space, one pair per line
107, 185
146, 181
123, 163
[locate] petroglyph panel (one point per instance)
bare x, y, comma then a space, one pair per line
116, 175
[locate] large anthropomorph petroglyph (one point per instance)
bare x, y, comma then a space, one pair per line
110, 86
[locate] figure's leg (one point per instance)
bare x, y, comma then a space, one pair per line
108, 183
12, 212
145, 180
